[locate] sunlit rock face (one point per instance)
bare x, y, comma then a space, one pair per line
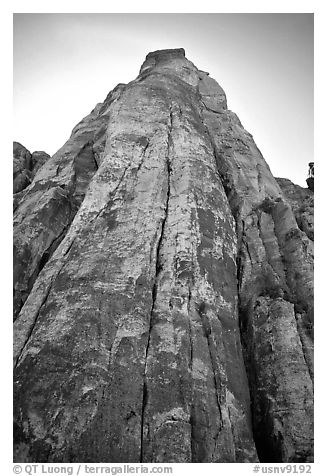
168, 306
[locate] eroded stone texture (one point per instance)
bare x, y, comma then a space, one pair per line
39, 158
22, 167
128, 347
25, 166
45, 209
301, 200
275, 265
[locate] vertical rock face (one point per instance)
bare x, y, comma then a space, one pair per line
301, 201
167, 288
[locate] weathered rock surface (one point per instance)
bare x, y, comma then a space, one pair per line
39, 158
22, 166
167, 285
25, 166
301, 200
45, 210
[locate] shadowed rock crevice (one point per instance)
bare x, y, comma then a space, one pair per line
207, 330
168, 304
274, 264
25, 166
158, 269
32, 327
46, 209
31, 255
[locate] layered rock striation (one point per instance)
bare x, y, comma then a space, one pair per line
165, 287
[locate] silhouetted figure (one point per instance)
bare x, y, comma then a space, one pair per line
310, 179
311, 169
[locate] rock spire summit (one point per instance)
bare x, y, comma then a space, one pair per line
163, 287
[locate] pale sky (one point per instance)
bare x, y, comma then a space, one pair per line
66, 63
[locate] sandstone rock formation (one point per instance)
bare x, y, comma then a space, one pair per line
301, 200
26, 165
164, 287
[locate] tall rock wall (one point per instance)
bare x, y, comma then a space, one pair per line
167, 314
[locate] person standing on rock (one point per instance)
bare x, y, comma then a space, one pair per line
311, 169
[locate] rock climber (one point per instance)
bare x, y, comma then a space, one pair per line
311, 169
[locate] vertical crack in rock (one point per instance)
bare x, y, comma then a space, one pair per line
96, 165
53, 278
244, 242
191, 366
30, 331
51, 213
124, 357
65, 255
112, 195
292, 296
206, 326
47, 255
157, 274
25, 276
305, 344
143, 155
259, 282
